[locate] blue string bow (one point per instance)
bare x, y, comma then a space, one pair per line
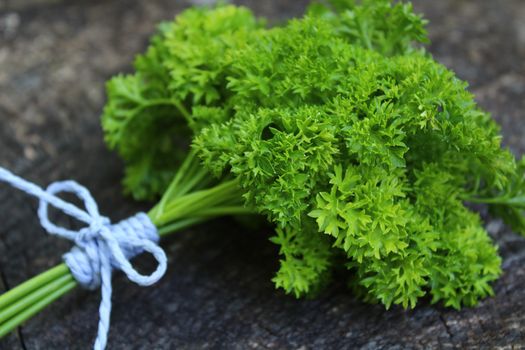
100, 247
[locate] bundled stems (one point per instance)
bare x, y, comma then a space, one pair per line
188, 201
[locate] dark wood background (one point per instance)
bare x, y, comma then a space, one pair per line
54, 59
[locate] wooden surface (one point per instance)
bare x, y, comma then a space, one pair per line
54, 58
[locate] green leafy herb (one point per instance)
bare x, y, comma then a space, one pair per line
355, 144
359, 149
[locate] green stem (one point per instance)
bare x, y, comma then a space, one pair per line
167, 102
172, 191
202, 216
34, 297
20, 318
517, 201
196, 179
223, 211
143, 104
189, 204
179, 226
25, 288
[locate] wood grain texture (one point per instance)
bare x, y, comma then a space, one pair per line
54, 59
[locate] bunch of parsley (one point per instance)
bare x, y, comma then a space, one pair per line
358, 147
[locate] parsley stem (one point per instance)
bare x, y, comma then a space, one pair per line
220, 211
191, 203
179, 225
517, 201
173, 189
25, 288
35, 296
26, 314
169, 102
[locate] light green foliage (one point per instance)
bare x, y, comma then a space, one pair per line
381, 26
359, 148
176, 87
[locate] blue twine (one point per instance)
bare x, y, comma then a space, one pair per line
100, 247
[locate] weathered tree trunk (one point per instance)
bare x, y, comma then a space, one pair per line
54, 59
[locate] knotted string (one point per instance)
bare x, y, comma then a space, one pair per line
100, 247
